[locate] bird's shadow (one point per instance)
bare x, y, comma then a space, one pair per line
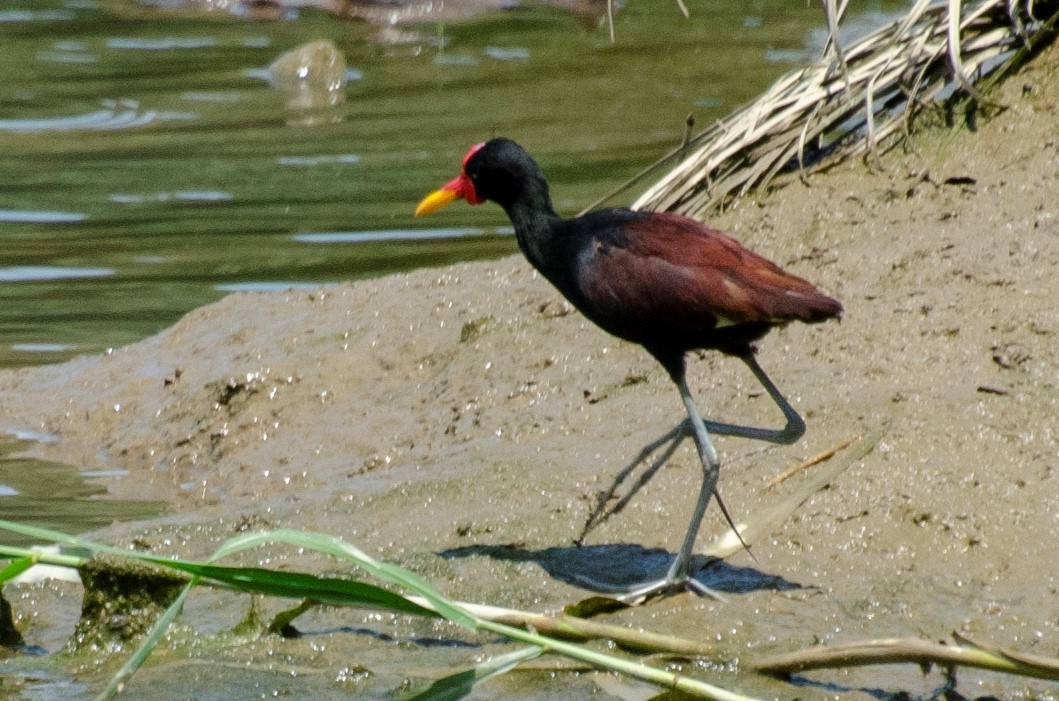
617, 568
946, 691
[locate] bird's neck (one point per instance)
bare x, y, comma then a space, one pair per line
534, 219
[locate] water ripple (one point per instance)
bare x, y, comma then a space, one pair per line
31, 435
503, 53
341, 158
455, 60
34, 216
42, 347
102, 474
40, 273
35, 15
181, 195
208, 96
115, 114
271, 286
73, 57
163, 44
391, 235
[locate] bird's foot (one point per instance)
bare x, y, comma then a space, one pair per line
667, 587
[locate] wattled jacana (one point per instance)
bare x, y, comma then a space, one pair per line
663, 281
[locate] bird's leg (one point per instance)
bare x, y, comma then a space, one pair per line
792, 431
711, 470
679, 574
599, 514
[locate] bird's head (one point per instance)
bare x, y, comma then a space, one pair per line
499, 170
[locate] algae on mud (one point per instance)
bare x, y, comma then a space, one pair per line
122, 600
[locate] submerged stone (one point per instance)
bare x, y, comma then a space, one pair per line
311, 76
10, 636
122, 600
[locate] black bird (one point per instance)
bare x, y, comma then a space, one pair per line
663, 281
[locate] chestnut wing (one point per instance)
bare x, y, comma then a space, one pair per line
666, 270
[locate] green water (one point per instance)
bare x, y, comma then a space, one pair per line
199, 178
53, 495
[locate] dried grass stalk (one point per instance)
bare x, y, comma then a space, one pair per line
855, 99
965, 653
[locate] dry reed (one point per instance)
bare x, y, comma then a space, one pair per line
858, 99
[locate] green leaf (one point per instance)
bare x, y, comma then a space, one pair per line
299, 585
594, 606
457, 686
117, 683
283, 622
16, 568
49, 536
333, 590
343, 550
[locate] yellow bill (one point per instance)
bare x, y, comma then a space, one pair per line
436, 200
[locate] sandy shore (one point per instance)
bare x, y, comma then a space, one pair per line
461, 421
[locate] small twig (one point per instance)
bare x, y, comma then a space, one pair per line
574, 628
815, 460
955, 59
912, 651
610, 15
834, 15
1033, 660
689, 123
801, 141
732, 525
1016, 21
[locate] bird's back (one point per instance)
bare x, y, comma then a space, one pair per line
663, 280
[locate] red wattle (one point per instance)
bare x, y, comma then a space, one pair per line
467, 190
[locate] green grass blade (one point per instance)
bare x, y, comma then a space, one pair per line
459, 685
601, 660
283, 622
16, 568
49, 536
8, 552
117, 683
318, 542
298, 585
46, 535
337, 547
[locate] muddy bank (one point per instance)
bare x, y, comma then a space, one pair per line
461, 421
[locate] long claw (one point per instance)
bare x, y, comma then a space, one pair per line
667, 587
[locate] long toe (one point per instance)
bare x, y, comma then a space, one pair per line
668, 587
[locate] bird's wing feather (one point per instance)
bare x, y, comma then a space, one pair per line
666, 264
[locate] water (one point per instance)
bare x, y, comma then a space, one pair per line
149, 168
52, 495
